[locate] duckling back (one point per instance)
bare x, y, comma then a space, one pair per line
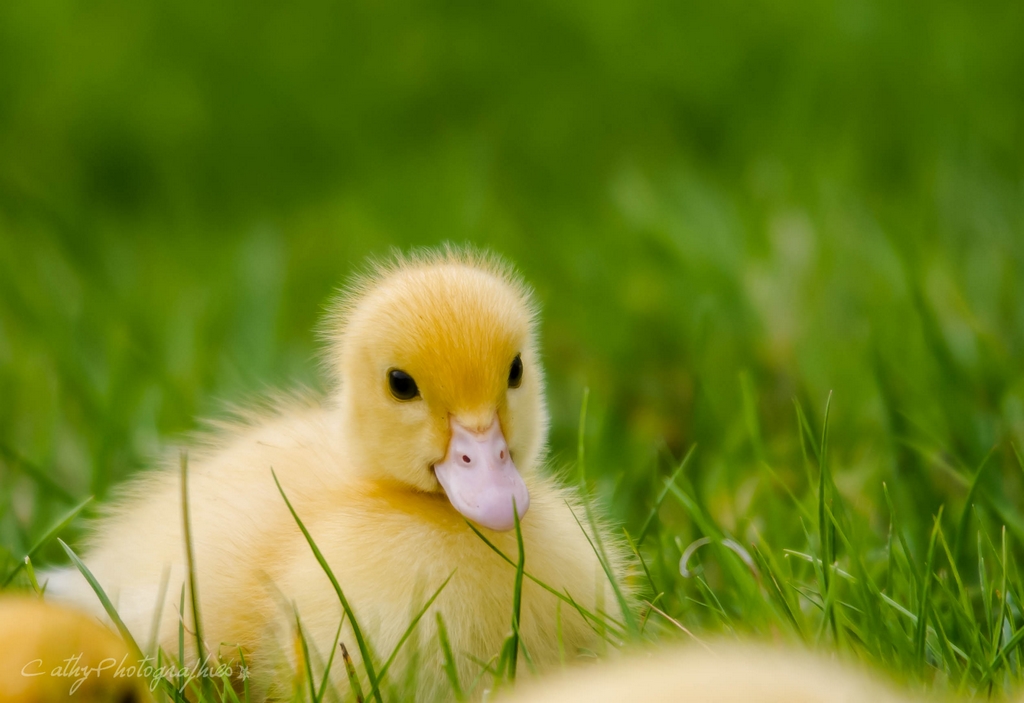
52, 653
724, 672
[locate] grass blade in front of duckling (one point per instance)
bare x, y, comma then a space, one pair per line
408, 631
486, 667
154, 626
330, 662
602, 560
190, 557
244, 674
31, 572
517, 598
110, 610
181, 642
227, 691
449, 660
307, 664
102, 595
364, 650
602, 619
350, 670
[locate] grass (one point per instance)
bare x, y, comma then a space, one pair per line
782, 244
930, 625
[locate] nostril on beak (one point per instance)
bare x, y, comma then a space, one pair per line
501, 455
465, 459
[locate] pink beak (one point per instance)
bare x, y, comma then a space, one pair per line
480, 479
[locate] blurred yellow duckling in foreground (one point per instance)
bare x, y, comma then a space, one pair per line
50, 653
722, 673
436, 417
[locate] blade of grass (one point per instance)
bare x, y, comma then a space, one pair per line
965, 514
713, 603
558, 634
644, 618
737, 567
227, 690
450, 669
984, 587
330, 661
307, 664
486, 668
908, 556
925, 599
408, 631
648, 523
197, 624
181, 641
1000, 656
154, 627
581, 464
599, 551
17, 461
750, 415
54, 530
530, 664
639, 557
353, 678
961, 590
364, 650
244, 673
108, 607
30, 570
517, 596
797, 503
101, 594
776, 590
680, 626
805, 432
591, 618
627, 612
945, 646
997, 631
825, 533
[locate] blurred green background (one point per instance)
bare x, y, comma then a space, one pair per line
723, 206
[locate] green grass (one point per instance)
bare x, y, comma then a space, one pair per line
781, 243
927, 623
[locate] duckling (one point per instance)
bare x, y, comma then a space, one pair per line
723, 673
52, 653
433, 429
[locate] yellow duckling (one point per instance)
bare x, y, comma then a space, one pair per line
436, 417
724, 673
51, 653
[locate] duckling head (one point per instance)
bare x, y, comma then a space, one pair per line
439, 383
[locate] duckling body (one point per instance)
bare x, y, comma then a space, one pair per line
728, 672
52, 653
361, 468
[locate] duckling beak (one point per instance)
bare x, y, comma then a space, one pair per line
480, 479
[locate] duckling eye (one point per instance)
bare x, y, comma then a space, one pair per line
401, 384
515, 374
